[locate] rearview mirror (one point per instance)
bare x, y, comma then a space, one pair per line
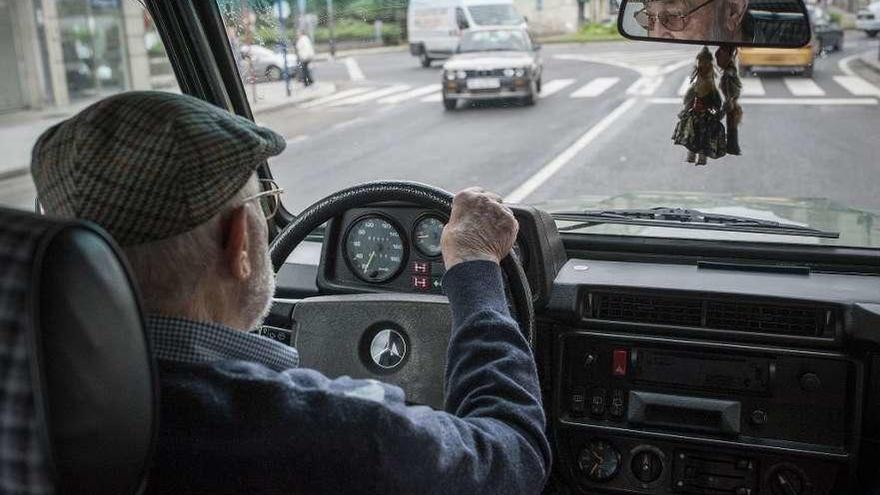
769, 23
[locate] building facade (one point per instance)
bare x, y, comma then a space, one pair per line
57, 52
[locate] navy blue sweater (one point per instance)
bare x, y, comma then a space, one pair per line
234, 426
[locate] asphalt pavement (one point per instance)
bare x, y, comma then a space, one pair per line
601, 128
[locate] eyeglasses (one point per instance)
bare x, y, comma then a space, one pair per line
270, 199
673, 21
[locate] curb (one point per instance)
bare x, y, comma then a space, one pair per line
15, 172
274, 107
871, 60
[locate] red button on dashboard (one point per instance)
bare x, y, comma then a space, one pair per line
618, 362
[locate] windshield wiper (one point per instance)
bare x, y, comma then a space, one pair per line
682, 218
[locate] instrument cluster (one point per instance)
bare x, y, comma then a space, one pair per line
396, 247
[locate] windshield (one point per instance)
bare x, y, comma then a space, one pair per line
500, 40
495, 15
366, 91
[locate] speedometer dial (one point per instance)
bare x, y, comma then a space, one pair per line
374, 249
426, 236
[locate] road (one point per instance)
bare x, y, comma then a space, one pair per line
602, 128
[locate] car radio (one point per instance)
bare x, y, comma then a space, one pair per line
701, 417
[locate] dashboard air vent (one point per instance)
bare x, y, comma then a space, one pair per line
639, 308
702, 312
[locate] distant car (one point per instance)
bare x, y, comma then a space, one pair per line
868, 19
491, 64
827, 36
827, 32
265, 63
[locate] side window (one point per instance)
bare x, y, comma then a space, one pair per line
59, 56
461, 18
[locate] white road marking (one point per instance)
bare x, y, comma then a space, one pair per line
297, 139
785, 101
554, 86
752, 86
335, 96
348, 123
551, 168
595, 87
645, 85
434, 98
857, 86
354, 70
372, 95
800, 86
415, 93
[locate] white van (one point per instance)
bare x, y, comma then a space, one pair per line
435, 26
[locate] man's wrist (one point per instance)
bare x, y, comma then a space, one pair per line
455, 259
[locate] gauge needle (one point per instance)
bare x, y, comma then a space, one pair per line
369, 260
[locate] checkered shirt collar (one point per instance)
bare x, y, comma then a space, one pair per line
187, 341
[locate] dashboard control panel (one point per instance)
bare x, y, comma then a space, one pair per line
702, 416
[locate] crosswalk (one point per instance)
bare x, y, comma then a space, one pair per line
846, 89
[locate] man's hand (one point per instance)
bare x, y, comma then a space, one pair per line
480, 228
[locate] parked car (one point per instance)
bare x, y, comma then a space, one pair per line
490, 64
435, 27
868, 19
267, 64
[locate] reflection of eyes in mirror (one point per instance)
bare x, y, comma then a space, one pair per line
780, 22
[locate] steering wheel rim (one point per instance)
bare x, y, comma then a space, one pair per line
416, 193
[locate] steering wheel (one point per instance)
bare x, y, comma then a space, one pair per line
398, 338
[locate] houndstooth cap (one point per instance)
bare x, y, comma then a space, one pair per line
148, 165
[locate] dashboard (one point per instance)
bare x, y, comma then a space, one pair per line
664, 374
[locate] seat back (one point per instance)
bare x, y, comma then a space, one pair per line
78, 392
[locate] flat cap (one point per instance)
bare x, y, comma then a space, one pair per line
148, 165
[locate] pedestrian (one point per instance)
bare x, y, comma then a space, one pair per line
306, 52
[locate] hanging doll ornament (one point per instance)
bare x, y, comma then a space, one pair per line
731, 87
699, 127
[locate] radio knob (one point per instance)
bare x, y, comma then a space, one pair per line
810, 382
787, 481
647, 466
759, 417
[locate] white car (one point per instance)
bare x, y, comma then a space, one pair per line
493, 64
264, 63
868, 19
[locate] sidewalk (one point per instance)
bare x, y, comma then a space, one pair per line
20, 130
871, 58
272, 96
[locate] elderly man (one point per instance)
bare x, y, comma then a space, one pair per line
704, 20
172, 179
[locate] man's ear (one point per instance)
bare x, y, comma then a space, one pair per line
736, 10
236, 242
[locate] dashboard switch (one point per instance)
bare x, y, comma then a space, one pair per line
597, 402
578, 400
618, 362
421, 268
617, 403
